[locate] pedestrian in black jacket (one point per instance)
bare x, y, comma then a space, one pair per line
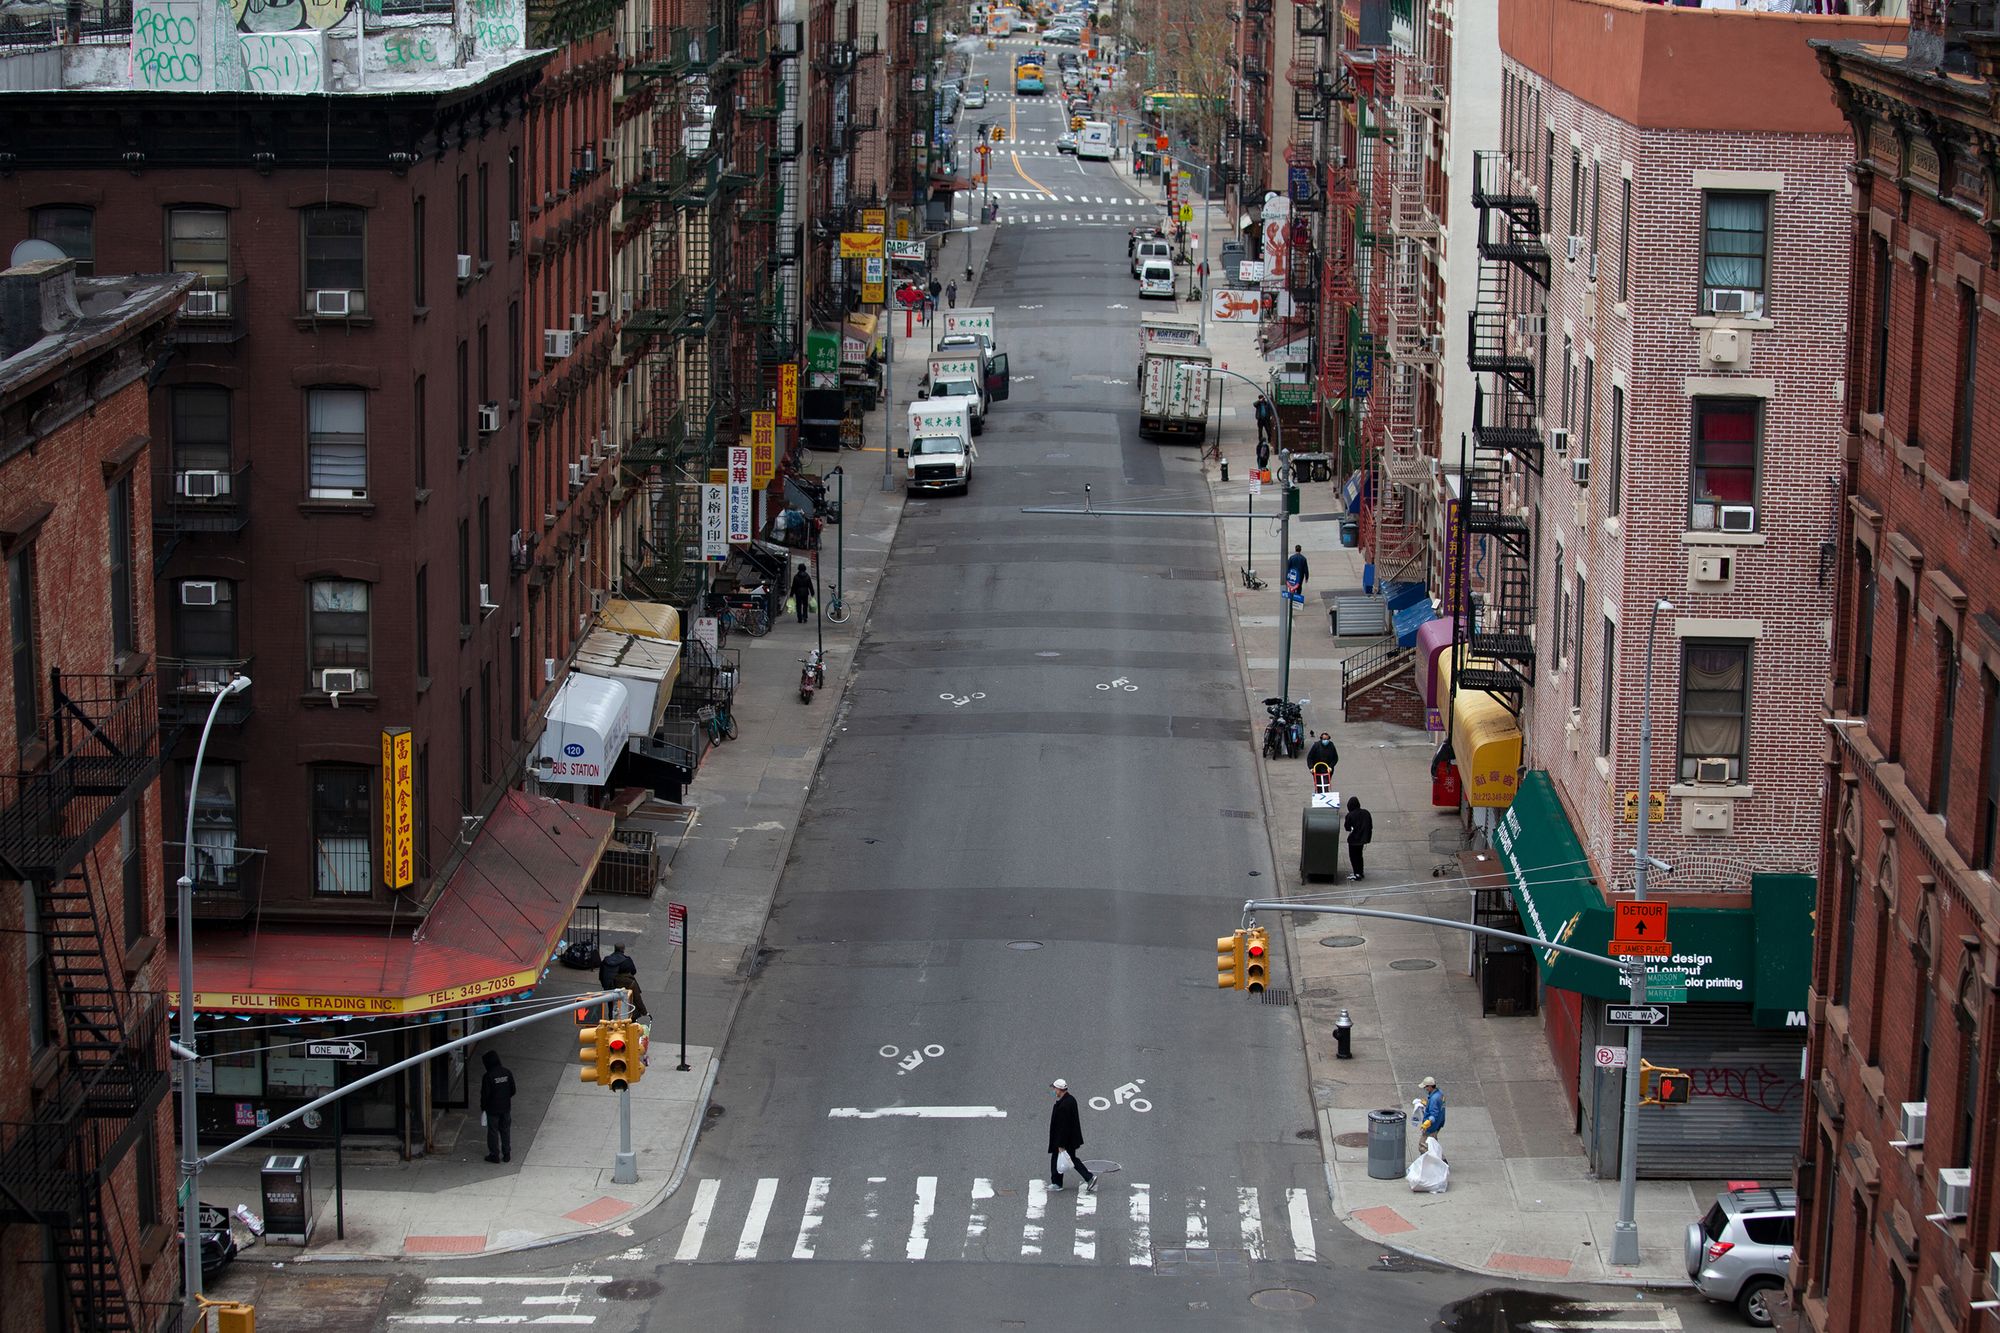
1322, 752
1066, 1135
614, 963
802, 591
1360, 832
496, 1108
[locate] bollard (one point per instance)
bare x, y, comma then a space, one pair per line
1343, 1033
1225, 469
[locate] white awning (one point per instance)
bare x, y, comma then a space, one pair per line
645, 666
586, 729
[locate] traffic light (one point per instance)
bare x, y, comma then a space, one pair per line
1229, 951
1076, 122
590, 1054
621, 1056
1674, 1088
1257, 967
1663, 1086
999, 133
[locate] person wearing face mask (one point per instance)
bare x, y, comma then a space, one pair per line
1066, 1135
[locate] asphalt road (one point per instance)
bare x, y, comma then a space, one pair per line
1039, 810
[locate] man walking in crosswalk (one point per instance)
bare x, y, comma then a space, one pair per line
1066, 1136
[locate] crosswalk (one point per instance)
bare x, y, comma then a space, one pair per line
1026, 207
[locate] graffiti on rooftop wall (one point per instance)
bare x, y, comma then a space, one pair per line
288, 15
282, 62
166, 45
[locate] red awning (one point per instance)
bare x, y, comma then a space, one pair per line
490, 934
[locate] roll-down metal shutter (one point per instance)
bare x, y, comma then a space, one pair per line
1742, 1119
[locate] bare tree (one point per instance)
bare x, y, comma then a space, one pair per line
1197, 46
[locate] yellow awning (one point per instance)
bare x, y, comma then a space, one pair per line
650, 620
1486, 740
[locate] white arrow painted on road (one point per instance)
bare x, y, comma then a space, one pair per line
917, 1113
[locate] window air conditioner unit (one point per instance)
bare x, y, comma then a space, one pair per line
1593, 266
332, 301
600, 303
589, 159
607, 152
597, 596
576, 476
1712, 770
1910, 1123
489, 418
198, 592
1732, 301
624, 303
1559, 441
579, 325
201, 303
1993, 1273
1579, 471
342, 680
486, 602
1954, 1192
202, 484
1739, 518
1575, 248
556, 343
464, 268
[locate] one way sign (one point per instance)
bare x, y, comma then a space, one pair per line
335, 1050
1650, 1017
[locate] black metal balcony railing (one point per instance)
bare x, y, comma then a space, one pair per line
204, 500
213, 312
188, 686
102, 738
226, 878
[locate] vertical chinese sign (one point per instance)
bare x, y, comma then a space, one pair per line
739, 493
399, 824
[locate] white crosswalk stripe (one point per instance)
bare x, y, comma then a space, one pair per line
975, 1219
488, 1302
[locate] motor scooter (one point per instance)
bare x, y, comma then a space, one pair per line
812, 674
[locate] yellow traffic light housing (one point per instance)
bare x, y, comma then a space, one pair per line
1229, 960
999, 133
1660, 1085
621, 1056
1257, 958
1076, 122
590, 1054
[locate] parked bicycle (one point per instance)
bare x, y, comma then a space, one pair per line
836, 607
718, 721
745, 612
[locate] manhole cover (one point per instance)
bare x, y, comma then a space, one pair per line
1358, 1139
630, 1289
1283, 1298
1024, 944
1342, 941
1412, 964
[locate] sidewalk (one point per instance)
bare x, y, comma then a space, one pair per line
1522, 1202
751, 792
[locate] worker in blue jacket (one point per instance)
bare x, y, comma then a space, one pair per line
1433, 1108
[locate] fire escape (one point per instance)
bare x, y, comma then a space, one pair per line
850, 119
102, 734
914, 128
1494, 649
1254, 66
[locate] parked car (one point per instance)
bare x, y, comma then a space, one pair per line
1739, 1252
975, 98
1066, 142
1064, 37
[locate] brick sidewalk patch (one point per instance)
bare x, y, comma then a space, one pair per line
443, 1244
1533, 1265
1383, 1221
599, 1211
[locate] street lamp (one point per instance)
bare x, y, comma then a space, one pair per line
1625, 1234
187, 1054
1284, 530
889, 361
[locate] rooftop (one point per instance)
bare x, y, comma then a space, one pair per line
50, 318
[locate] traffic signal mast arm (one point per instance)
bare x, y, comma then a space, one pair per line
1631, 970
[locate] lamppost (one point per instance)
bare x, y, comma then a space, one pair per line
1625, 1234
185, 1052
889, 362
1284, 532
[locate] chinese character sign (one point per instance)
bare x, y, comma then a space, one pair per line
763, 448
739, 493
399, 858
822, 359
788, 394
714, 521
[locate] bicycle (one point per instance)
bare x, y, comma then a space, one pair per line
719, 722
836, 608
749, 616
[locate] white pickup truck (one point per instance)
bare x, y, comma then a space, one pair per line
940, 449
960, 375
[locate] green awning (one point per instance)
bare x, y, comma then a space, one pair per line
1760, 955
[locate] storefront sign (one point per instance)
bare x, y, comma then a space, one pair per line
739, 493
822, 359
714, 521
860, 245
874, 219
763, 448
399, 856
291, 1002
788, 394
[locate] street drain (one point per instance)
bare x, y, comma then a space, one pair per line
1024, 944
1358, 1139
1277, 997
1412, 964
1342, 941
1283, 1298
1237, 814
630, 1289
715, 1111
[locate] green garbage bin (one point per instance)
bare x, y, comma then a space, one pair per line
1319, 843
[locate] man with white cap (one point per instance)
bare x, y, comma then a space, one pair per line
1066, 1135
1433, 1124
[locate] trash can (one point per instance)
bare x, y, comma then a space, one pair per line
288, 1210
1319, 842
1350, 533
1387, 1145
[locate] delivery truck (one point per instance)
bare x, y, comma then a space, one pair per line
959, 376
939, 447
1173, 375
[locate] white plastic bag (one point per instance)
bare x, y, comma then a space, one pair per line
1430, 1173
1063, 1162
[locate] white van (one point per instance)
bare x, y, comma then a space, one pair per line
1157, 279
1147, 250
1094, 140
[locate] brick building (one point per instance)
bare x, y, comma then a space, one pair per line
1656, 343
86, 1140
1900, 1210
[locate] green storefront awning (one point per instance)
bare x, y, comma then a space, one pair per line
1760, 955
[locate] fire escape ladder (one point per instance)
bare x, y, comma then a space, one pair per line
93, 1024
88, 1259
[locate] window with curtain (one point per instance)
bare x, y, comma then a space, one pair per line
72, 229
1735, 245
339, 629
342, 828
336, 253
214, 857
337, 444
198, 242
119, 556
1723, 459
198, 421
1715, 705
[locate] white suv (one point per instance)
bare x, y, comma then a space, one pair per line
1741, 1250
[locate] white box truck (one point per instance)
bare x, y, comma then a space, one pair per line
958, 376
1174, 370
940, 450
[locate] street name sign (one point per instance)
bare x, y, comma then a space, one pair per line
1667, 987
1639, 930
1630, 1017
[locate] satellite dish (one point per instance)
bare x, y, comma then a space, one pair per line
28, 252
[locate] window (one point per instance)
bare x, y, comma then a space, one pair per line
464, 576
1614, 496
35, 973
1580, 617
1920, 1083
132, 876
1569, 384
1899, 1300
514, 351
485, 544
481, 369
342, 826
1722, 493
1900, 666
1607, 676
464, 218
1920, 316
216, 821
1734, 247
198, 242
146, 1170
465, 751
337, 444
420, 798
70, 228
1715, 707
1968, 1064
1589, 405
1878, 376
417, 241
1968, 391
485, 231
1596, 211
336, 256
1947, 723
513, 195
198, 420
1625, 239
1549, 175
1864, 630
420, 433
339, 630
423, 617
1561, 600
124, 613
1989, 837
24, 626
1850, 911
464, 401
1576, 191
203, 615
485, 722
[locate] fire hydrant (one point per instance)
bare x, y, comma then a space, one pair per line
1343, 1033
